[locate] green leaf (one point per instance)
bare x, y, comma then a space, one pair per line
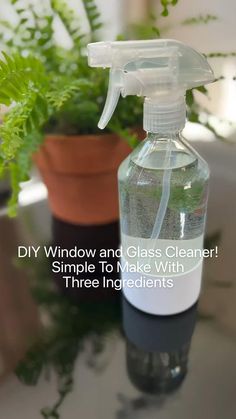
196, 20
19, 122
58, 97
189, 98
165, 12
17, 74
156, 31
93, 16
166, 4
70, 21
202, 89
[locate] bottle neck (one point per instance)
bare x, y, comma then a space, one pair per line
164, 114
163, 151
157, 136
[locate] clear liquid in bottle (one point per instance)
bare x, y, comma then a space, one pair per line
140, 191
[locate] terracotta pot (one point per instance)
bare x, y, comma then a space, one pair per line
80, 173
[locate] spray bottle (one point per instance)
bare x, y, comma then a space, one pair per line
163, 183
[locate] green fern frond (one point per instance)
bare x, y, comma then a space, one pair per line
70, 21
20, 169
220, 54
58, 97
166, 4
43, 29
199, 19
17, 74
93, 16
13, 2
24, 118
33, 32
6, 24
15, 178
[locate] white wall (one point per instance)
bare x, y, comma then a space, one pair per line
216, 36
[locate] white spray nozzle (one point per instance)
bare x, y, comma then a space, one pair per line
154, 69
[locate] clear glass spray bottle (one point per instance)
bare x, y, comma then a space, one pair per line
163, 183
164, 163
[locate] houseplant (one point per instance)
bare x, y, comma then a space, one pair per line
54, 96
76, 114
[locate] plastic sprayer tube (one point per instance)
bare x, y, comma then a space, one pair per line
165, 195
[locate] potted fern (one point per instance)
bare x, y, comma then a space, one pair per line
54, 101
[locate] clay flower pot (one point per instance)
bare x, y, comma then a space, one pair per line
80, 173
